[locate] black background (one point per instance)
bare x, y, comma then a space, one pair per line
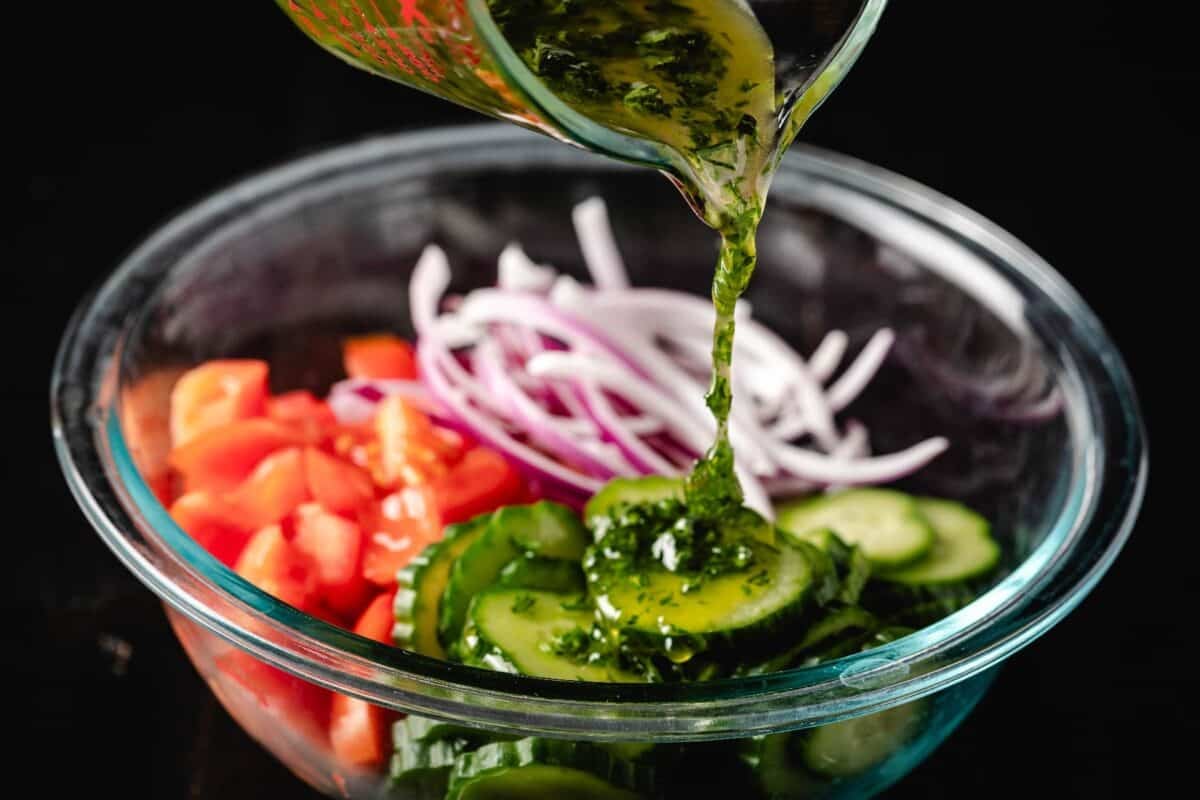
1068, 124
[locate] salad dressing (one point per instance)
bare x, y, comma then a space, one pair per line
697, 76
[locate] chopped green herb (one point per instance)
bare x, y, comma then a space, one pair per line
523, 603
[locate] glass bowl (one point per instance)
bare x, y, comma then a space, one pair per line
283, 265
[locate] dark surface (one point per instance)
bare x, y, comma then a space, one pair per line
1073, 132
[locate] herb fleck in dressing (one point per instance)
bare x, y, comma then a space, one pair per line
697, 76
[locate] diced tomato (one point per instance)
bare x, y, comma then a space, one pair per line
146, 425
359, 730
302, 707
335, 546
220, 459
378, 619
217, 393
451, 445
379, 355
482, 481
304, 411
396, 529
409, 447
274, 565
336, 484
275, 487
213, 523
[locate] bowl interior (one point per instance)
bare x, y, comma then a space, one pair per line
993, 351
288, 282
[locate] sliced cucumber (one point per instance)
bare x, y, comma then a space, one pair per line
425, 750
826, 581
422, 770
476, 569
851, 747
631, 751
422, 583
522, 631
682, 612
632, 490
899, 604
886, 524
778, 767
854, 572
544, 528
853, 567
423, 730
963, 547
549, 574
842, 629
545, 769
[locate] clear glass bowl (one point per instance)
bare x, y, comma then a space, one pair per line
283, 265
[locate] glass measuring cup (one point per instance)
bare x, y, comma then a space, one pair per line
454, 49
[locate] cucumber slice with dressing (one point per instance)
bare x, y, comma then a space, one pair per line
682, 614
886, 524
530, 632
422, 583
546, 769
548, 574
850, 747
632, 491
544, 528
963, 547
852, 565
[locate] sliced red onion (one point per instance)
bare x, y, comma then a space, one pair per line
621, 382
610, 381
517, 272
429, 281
642, 425
535, 420
1042, 410
617, 429
489, 432
493, 305
599, 246
430, 277
825, 359
788, 486
860, 373
652, 309
675, 382
827, 470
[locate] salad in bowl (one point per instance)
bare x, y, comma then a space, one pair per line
409, 448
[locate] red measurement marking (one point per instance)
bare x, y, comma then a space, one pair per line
349, 46
299, 15
317, 12
432, 65
410, 13
373, 31
367, 45
469, 54
416, 61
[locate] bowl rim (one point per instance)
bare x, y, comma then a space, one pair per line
1108, 484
